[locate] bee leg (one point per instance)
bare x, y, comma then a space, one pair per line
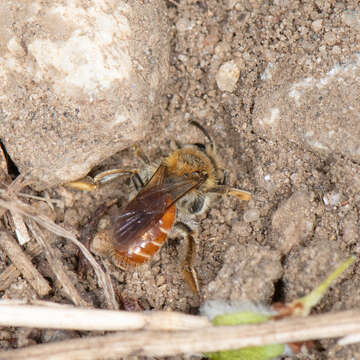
86, 235
109, 175
189, 272
224, 177
141, 155
90, 184
175, 145
86, 184
226, 190
137, 181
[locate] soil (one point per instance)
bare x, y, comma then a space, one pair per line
296, 228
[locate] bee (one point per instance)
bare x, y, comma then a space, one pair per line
170, 195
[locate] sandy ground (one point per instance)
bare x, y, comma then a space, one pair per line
304, 215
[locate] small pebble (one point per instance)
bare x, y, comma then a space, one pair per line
251, 215
332, 199
330, 38
317, 25
227, 76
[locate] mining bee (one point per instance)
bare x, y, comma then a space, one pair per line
170, 195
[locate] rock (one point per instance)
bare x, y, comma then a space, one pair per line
317, 25
251, 215
307, 267
79, 81
227, 76
249, 273
293, 221
318, 112
333, 198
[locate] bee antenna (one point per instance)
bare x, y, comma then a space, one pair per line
202, 129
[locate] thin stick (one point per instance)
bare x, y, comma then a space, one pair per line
208, 339
9, 275
71, 318
23, 264
21, 231
104, 279
56, 265
38, 302
350, 339
29, 196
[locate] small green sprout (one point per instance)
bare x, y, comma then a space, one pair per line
222, 313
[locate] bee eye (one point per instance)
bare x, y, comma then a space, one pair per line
200, 146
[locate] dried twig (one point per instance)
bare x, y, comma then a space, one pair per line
57, 266
26, 301
71, 318
174, 3
21, 231
104, 279
9, 275
40, 198
19, 183
350, 339
208, 339
23, 264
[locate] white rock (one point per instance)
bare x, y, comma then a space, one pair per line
79, 81
251, 215
227, 76
317, 25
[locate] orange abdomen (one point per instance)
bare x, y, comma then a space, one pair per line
148, 243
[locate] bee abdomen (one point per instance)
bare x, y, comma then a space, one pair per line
148, 244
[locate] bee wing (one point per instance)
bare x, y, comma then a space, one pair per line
157, 178
147, 208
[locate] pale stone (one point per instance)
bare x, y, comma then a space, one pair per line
227, 76
79, 83
293, 221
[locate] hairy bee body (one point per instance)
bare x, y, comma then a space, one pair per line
190, 160
181, 187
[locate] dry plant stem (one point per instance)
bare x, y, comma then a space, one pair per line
46, 198
104, 279
23, 264
57, 266
18, 184
350, 339
208, 339
33, 302
9, 275
21, 231
72, 318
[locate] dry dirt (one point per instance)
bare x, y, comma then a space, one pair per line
297, 227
